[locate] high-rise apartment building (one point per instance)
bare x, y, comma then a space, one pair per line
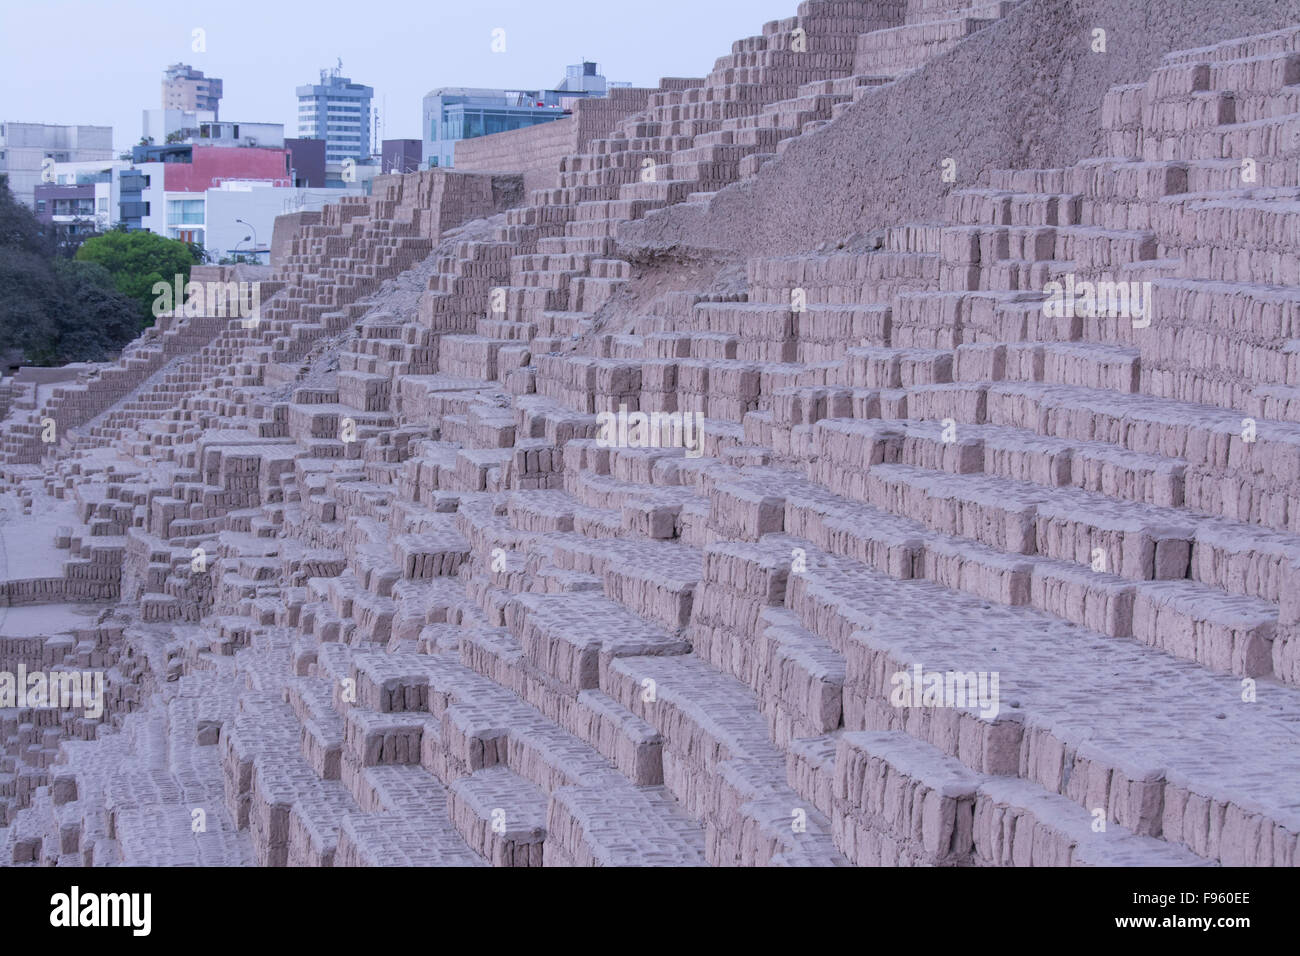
185, 88
337, 111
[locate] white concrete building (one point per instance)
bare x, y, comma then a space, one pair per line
103, 176
157, 125
235, 219
25, 148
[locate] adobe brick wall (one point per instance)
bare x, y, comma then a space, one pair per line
44, 376
286, 227
1025, 92
536, 151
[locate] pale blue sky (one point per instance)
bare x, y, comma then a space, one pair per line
101, 62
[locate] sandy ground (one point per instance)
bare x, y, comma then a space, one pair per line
47, 619
27, 541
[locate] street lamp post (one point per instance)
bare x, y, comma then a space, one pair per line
254, 228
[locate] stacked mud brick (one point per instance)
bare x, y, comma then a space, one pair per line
437, 623
31, 736
27, 436
536, 151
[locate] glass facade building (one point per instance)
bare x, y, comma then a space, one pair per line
456, 113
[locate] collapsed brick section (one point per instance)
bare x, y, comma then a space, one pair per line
415, 609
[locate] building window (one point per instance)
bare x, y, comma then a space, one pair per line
74, 207
185, 212
103, 204
40, 205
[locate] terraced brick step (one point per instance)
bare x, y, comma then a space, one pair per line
897, 800
372, 587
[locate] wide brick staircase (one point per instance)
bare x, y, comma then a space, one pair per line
416, 609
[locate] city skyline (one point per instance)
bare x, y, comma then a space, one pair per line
107, 75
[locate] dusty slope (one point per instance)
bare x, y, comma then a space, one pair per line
1025, 92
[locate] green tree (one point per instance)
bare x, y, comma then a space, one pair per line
55, 310
19, 227
95, 319
29, 307
137, 261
